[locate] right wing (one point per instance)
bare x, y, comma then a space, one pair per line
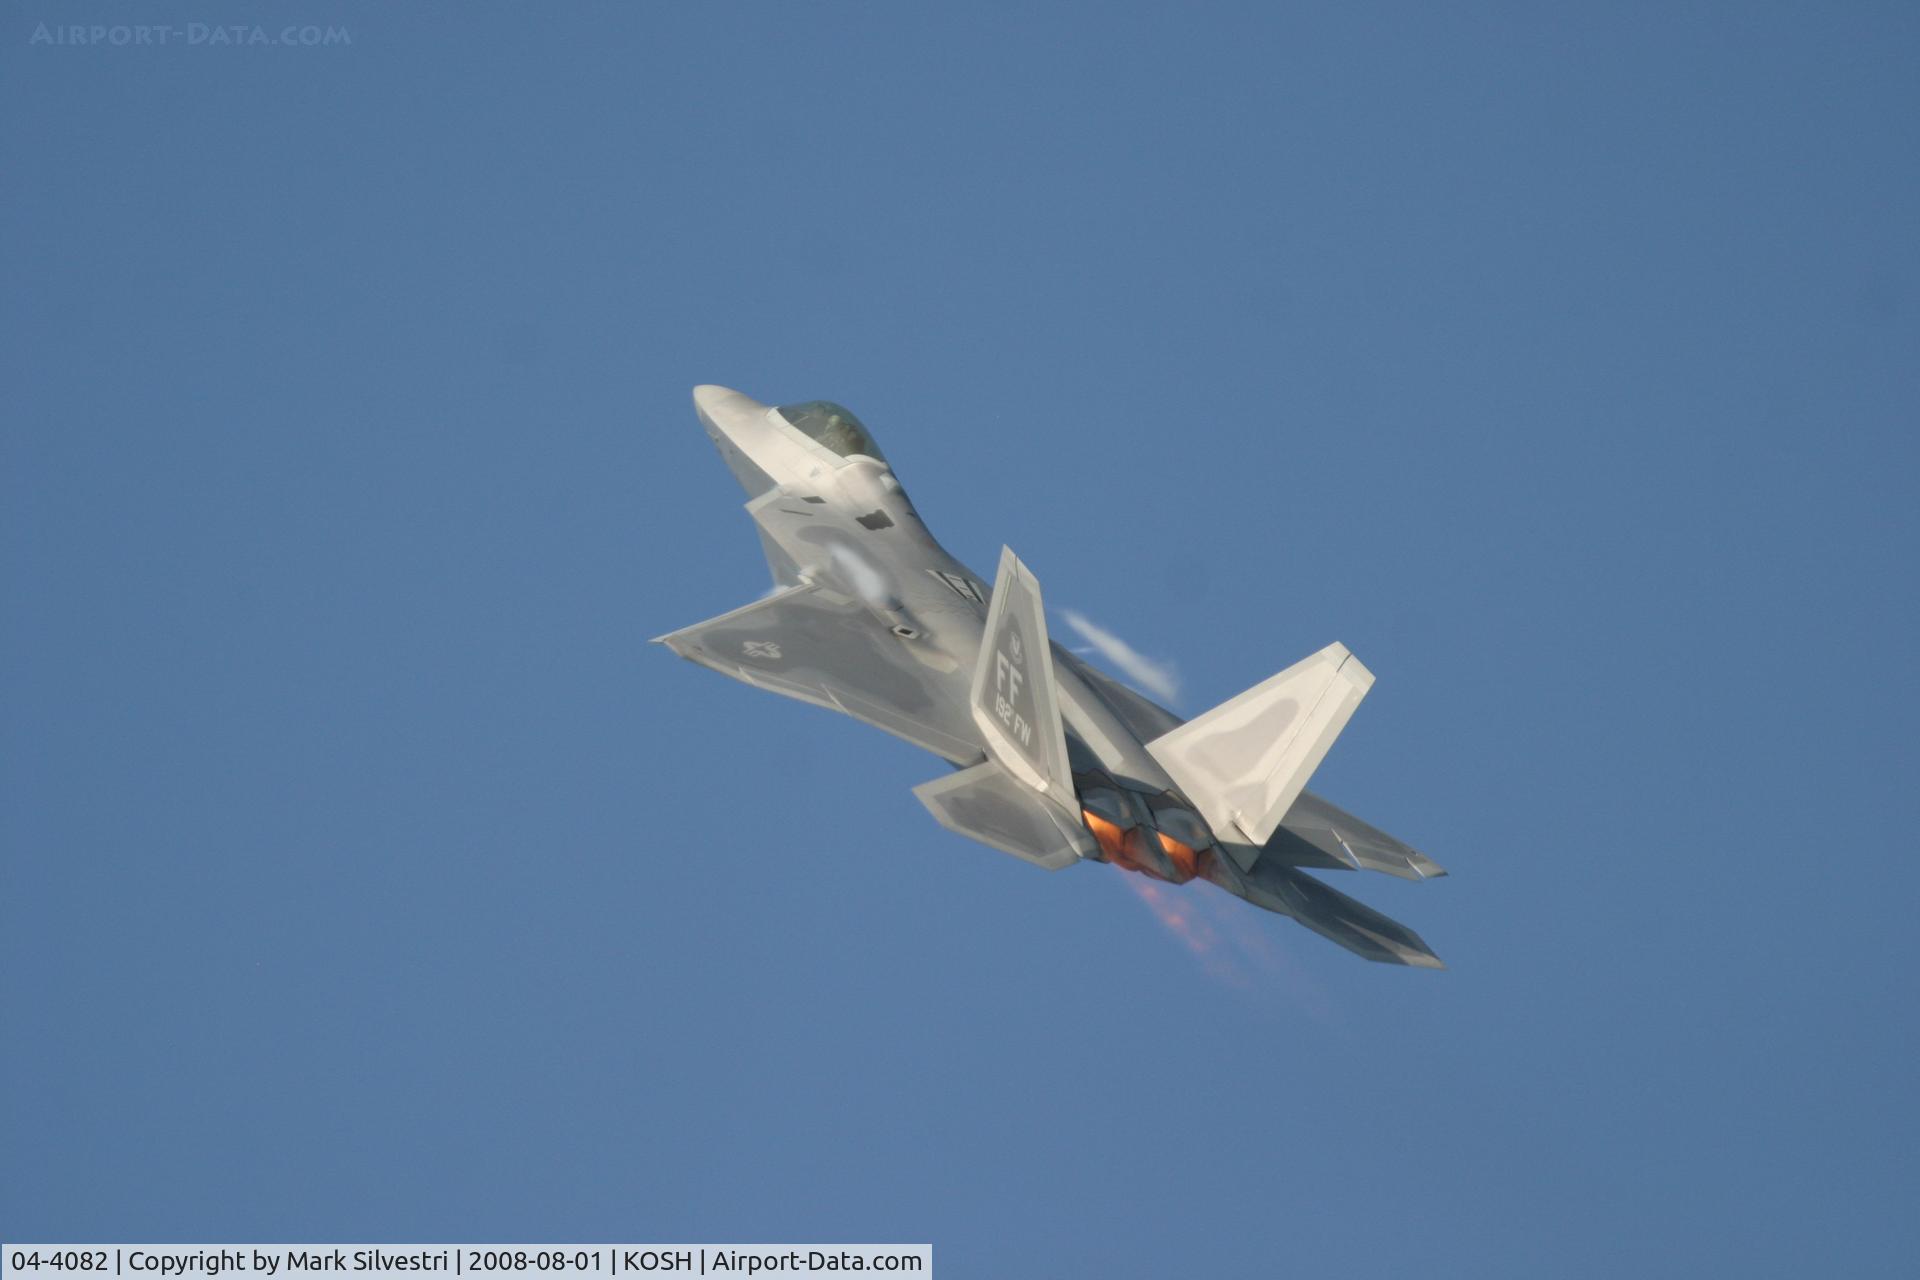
1317, 832
814, 644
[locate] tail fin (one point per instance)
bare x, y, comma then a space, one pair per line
1015, 703
1245, 762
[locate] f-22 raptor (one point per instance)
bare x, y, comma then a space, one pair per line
1052, 761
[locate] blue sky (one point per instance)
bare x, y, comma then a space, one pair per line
367, 876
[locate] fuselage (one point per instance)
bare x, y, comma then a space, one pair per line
833, 513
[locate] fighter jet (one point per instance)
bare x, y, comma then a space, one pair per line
1051, 760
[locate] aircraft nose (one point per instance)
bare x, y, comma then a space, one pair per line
720, 403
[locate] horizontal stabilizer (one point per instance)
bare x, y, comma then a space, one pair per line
1335, 916
988, 804
1244, 763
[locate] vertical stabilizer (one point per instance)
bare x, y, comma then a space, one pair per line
1015, 703
1245, 762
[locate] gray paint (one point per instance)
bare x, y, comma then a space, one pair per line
877, 621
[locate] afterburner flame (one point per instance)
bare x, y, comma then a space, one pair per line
1177, 915
1125, 849
1184, 856
1133, 850
1233, 946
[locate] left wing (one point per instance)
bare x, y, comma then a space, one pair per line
812, 643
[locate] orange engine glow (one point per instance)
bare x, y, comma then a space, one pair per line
1184, 856
1111, 839
1130, 851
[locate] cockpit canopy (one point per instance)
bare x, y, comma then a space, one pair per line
833, 426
